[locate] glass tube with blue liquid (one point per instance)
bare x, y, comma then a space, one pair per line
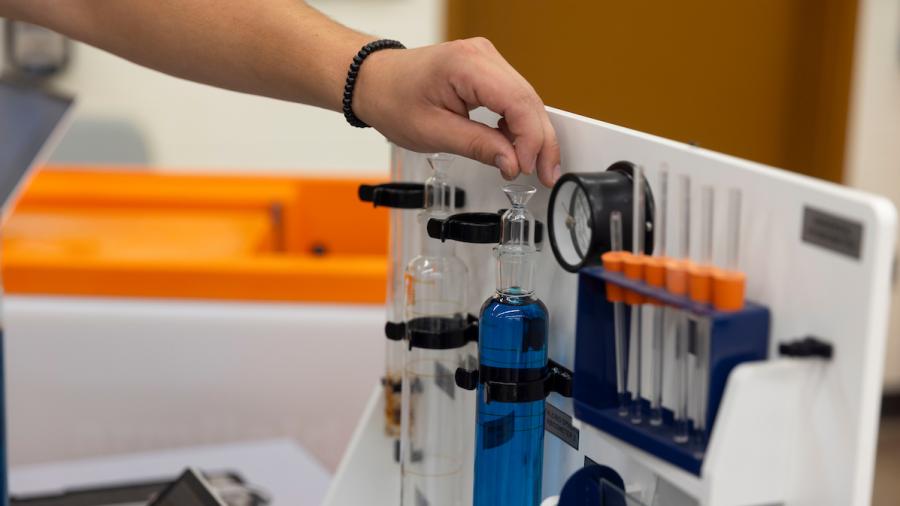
512, 350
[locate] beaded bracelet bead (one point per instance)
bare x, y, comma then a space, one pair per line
350, 84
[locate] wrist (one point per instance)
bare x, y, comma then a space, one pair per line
367, 81
370, 85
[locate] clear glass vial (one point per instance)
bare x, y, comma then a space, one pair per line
513, 345
435, 413
399, 257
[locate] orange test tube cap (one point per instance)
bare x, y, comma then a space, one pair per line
676, 276
633, 265
728, 289
655, 273
700, 286
612, 262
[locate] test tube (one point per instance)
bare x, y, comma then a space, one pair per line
682, 434
615, 227
399, 256
701, 342
729, 283
659, 311
732, 243
707, 201
638, 230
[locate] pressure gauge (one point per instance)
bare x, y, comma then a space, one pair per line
579, 211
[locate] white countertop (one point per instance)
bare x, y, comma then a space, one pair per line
280, 467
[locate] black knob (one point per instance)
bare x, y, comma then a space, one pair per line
807, 347
466, 379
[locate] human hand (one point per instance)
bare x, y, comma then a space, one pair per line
420, 100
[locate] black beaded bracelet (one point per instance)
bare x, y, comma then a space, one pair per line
363, 53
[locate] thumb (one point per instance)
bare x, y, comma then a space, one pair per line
462, 136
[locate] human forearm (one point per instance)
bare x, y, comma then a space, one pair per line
278, 48
419, 98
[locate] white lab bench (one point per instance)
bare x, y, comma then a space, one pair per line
279, 467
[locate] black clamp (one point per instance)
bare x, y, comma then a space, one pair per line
477, 228
395, 331
516, 385
808, 347
434, 332
401, 195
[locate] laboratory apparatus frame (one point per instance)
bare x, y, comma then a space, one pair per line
788, 430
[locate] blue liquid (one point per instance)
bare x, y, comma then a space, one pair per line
510, 436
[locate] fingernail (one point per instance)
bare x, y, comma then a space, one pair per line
557, 171
530, 168
502, 163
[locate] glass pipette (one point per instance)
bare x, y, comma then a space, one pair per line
732, 244
637, 244
701, 345
659, 310
729, 283
682, 423
615, 227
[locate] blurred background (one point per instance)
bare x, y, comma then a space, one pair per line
188, 192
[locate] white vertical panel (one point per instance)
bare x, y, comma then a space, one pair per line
810, 290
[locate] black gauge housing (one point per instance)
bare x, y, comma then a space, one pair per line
607, 191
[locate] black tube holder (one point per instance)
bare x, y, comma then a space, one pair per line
434, 333
474, 228
557, 379
400, 195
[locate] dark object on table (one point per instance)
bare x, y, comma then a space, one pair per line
190, 489
229, 486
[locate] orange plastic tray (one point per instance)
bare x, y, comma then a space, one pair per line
121, 232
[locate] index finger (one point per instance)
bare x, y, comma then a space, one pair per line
499, 88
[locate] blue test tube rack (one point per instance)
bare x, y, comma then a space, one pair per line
735, 337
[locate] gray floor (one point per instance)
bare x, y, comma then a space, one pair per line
887, 466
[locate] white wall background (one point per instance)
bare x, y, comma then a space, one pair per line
187, 125
873, 156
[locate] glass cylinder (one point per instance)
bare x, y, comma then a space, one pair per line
399, 257
512, 348
435, 414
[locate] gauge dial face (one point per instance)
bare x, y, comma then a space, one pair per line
572, 223
580, 215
